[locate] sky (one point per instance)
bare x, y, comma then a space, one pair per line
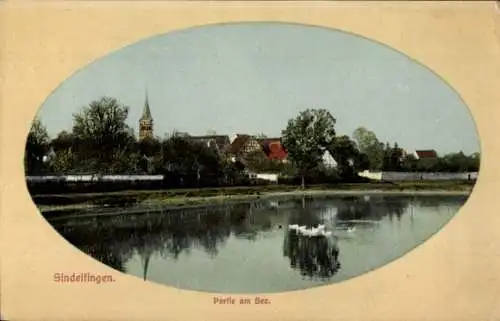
253, 77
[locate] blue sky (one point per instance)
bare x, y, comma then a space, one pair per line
253, 77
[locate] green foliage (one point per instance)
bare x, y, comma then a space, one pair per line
257, 161
307, 137
369, 145
345, 153
393, 158
37, 146
101, 142
458, 162
102, 136
188, 161
64, 161
410, 163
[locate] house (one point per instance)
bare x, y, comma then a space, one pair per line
274, 149
425, 154
328, 160
219, 142
242, 145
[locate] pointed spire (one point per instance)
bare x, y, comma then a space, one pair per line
146, 113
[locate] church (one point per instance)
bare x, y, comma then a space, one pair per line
146, 122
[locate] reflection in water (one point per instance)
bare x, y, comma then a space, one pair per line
314, 256
248, 247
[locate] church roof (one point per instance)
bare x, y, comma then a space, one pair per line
146, 113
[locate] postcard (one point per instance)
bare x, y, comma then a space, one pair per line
249, 160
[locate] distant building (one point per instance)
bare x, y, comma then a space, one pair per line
328, 160
274, 149
242, 145
425, 154
146, 122
221, 143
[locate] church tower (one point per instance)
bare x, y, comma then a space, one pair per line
146, 122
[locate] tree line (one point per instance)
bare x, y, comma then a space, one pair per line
100, 141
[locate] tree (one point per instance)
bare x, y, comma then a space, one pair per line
396, 158
362, 162
393, 158
410, 163
64, 161
149, 146
307, 137
147, 155
102, 135
345, 153
459, 162
37, 146
63, 141
475, 160
190, 163
258, 161
370, 146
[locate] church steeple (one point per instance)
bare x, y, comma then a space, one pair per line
146, 121
146, 112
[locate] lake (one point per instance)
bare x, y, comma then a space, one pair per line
250, 247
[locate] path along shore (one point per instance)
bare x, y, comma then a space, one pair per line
182, 201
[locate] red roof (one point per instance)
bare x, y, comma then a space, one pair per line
276, 151
426, 153
271, 146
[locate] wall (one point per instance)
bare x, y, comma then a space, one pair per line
412, 176
268, 177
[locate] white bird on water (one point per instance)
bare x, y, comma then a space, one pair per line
314, 231
327, 233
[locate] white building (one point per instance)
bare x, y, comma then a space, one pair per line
328, 160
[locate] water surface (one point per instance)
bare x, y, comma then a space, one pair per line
249, 248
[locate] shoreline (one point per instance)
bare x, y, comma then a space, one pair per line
185, 202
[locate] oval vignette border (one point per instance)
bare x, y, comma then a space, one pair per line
295, 303
370, 42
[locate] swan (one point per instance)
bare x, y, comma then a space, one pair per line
302, 228
327, 233
310, 232
315, 232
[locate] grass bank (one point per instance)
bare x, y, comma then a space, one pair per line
194, 197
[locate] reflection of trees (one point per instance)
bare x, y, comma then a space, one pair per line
357, 208
305, 212
113, 240
441, 200
315, 257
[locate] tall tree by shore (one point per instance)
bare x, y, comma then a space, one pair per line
307, 137
104, 139
369, 144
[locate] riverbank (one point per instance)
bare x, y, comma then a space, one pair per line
213, 196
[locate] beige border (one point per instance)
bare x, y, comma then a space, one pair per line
453, 276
